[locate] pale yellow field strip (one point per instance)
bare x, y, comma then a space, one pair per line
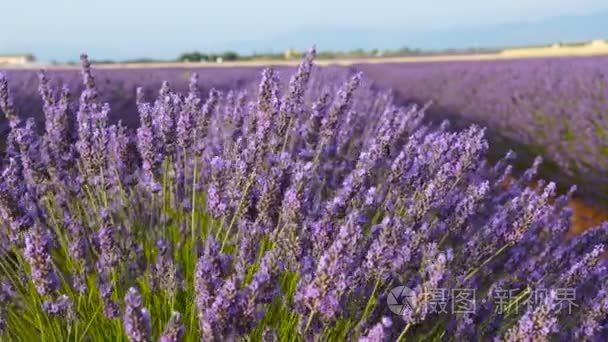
600, 49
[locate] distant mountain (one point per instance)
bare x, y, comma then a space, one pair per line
555, 29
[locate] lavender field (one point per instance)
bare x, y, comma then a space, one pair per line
303, 204
554, 107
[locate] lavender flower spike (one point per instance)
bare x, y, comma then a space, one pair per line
136, 319
175, 330
537, 323
38, 253
6, 104
378, 333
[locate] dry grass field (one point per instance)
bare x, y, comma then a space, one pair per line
585, 215
595, 48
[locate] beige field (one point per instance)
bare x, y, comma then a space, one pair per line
596, 48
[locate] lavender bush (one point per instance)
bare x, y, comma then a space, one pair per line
301, 211
118, 87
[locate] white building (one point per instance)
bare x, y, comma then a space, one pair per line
16, 59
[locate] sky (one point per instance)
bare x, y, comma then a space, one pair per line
125, 29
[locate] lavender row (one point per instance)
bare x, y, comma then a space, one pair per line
118, 86
557, 107
294, 211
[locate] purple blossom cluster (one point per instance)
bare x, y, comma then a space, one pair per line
279, 211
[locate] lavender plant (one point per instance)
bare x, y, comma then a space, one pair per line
309, 213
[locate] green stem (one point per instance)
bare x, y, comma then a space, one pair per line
286, 135
88, 326
164, 208
473, 272
245, 193
193, 204
193, 310
104, 196
369, 305
443, 239
309, 321
402, 335
516, 300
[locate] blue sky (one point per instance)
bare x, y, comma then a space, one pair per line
61, 29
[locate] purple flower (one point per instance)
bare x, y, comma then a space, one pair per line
136, 319
61, 306
584, 268
165, 274
293, 206
203, 120
323, 293
111, 308
270, 185
310, 131
208, 277
292, 104
12, 212
538, 323
468, 206
378, 333
390, 251
259, 292
270, 335
57, 149
217, 318
186, 120
29, 144
6, 104
122, 161
175, 329
7, 294
435, 268
166, 108
79, 250
251, 234
149, 145
338, 109
38, 244
591, 322
266, 115
108, 245
92, 118
79, 241
216, 204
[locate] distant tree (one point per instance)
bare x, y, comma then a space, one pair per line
404, 50
230, 56
194, 56
142, 60
357, 53
326, 55
102, 61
